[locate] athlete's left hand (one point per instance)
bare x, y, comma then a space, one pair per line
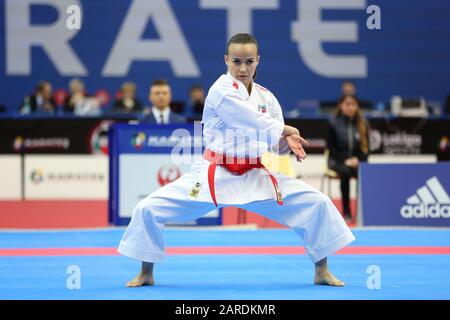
296, 143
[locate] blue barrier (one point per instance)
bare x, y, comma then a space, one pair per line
404, 194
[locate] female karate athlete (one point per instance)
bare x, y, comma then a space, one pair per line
242, 120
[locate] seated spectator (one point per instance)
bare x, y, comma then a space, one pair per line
347, 88
160, 97
78, 102
127, 103
40, 102
348, 144
196, 100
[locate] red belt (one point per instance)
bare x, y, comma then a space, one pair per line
238, 166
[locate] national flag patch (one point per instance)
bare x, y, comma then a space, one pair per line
262, 108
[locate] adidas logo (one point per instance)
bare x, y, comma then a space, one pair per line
430, 201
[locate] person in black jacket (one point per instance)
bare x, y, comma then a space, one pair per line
348, 144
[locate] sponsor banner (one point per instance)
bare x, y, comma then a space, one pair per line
141, 161
388, 136
66, 177
90, 136
405, 194
55, 136
11, 177
140, 175
179, 138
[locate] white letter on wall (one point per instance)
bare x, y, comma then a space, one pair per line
309, 32
171, 45
54, 39
239, 12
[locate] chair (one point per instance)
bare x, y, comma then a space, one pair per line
328, 175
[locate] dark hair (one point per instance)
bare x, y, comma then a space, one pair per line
345, 96
196, 87
41, 84
160, 82
349, 82
361, 122
242, 38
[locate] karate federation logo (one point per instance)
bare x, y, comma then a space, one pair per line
37, 176
138, 140
262, 108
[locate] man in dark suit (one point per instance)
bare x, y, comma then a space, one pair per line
160, 96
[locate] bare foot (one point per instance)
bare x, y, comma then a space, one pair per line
327, 279
141, 280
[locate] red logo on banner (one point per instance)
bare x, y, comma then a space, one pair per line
167, 174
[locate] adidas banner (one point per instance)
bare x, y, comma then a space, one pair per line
404, 194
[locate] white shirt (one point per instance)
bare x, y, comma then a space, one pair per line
239, 124
165, 115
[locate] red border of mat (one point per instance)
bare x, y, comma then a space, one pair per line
284, 250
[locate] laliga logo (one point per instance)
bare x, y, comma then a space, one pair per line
167, 174
138, 140
430, 201
37, 176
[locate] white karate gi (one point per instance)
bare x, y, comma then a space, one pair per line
230, 109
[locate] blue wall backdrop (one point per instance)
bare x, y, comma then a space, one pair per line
409, 56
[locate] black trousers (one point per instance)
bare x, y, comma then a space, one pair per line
345, 174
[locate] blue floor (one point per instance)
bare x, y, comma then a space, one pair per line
234, 277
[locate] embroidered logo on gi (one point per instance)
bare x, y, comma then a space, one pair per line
262, 108
235, 85
195, 190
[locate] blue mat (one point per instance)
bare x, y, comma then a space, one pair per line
234, 277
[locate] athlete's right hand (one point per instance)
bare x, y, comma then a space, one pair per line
295, 143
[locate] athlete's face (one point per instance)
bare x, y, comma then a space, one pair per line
242, 60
